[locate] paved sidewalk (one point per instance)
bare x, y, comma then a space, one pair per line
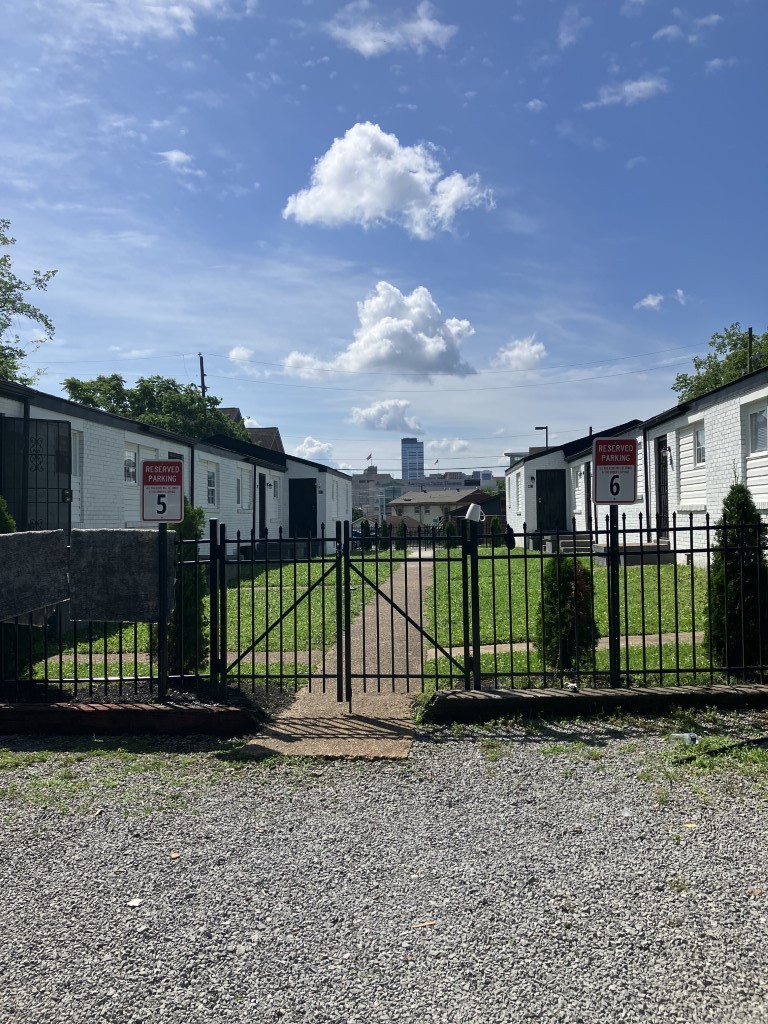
379, 724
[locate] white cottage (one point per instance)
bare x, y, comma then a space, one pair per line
65, 465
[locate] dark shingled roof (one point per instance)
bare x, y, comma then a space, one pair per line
266, 437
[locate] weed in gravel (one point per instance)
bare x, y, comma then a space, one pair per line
661, 795
573, 748
493, 750
678, 885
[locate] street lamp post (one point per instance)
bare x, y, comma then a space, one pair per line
546, 435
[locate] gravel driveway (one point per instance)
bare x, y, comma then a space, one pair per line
547, 876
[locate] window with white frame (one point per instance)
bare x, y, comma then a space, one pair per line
210, 477
518, 493
244, 487
699, 446
276, 490
129, 472
758, 431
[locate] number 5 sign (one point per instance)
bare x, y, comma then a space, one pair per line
615, 471
162, 491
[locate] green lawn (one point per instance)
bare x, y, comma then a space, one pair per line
668, 657
510, 594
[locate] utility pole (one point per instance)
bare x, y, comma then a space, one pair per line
203, 388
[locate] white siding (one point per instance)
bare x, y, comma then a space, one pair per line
693, 477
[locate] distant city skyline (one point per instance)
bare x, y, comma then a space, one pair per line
411, 458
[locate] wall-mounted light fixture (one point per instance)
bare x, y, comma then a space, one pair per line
533, 479
269, 483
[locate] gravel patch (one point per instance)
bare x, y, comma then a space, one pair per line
555, 875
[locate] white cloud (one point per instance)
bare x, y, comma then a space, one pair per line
448, 444
132, 20
181, 162
368, 178
249, 421
241, 356
681, 297
520, 354
720, 64
669, 32
535, 105
652, 301
397, 333
317, 451
635, 161
631, 7
358, 27
628, 92
390, 414
708, 21
571, 26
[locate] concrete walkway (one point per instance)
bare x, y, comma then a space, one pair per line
376, 723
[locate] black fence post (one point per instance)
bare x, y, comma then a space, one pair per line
465, 587
162, 615
223, 645
213, 593
339, 615
614, 627
348, 621
474, 577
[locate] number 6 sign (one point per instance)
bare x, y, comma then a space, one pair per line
162, 491
615, 471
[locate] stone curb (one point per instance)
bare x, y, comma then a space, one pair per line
169, 719
485, 705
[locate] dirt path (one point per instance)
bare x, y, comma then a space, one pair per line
386, 659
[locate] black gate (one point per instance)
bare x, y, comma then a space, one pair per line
35, 472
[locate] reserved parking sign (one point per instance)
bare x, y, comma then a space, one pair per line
614, 481
162, 491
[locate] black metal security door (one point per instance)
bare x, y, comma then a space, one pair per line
35, 472
302, 505
550, 500
662, 487
262, 504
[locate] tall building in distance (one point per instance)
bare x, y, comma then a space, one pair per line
412, 458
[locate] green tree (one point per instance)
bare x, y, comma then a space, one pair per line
188, 635
159, 402
14, 307
737, 620
566, 633
727, 360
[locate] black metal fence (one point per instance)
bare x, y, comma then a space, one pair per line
624, 605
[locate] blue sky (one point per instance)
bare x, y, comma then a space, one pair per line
454, 220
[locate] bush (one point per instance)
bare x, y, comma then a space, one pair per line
7, 522
384, 537
14, 640
495, 530
402, 534
566, 632
188, 635
365, 535
737, 619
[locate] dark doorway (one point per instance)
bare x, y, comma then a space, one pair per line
302, 508
550, 500
35, 472
588, 495
662, 488
262, 504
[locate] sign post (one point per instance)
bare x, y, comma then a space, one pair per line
162, 491
162, 502
614, 483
